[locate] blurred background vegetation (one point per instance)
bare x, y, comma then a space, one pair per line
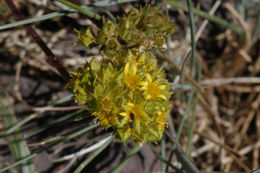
212, 63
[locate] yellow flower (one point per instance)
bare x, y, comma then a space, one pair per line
131, 78
152, 89
134, 116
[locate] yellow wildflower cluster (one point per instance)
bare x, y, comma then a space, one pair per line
127, 91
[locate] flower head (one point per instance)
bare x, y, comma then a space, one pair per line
126, 90
135, 116
130, 76
152, 89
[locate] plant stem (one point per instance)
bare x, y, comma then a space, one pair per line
192, 33
80, 9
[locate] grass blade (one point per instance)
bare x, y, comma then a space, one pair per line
193, 118
80, 9
15, 141
192, 33
17, 125
59, 14
93, 155
52, 123
163, 154
55, 139
35, 19
187, 110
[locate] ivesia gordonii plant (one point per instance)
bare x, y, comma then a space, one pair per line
127, 90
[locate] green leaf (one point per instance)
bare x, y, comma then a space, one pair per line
15, 141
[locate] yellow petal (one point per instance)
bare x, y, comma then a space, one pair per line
126, 69
162, 87
159, 112
137, 127
148, 97
149, 78
143, 83
134, 69
163, 97
144, 87
130, 104
123, 114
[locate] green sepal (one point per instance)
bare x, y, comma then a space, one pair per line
85, 37
95, 65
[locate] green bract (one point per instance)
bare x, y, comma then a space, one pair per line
127, 90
